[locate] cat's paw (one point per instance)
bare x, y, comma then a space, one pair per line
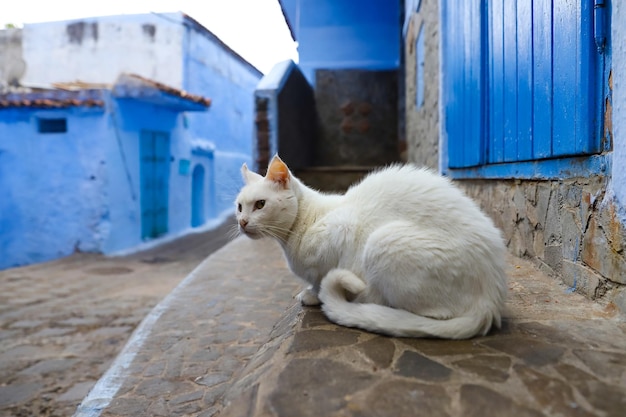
308, 297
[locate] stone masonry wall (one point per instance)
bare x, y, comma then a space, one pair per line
570, 227
422, 123
358, 117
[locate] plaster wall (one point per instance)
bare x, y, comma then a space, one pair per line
98, 49
12, 65
422, 119
51, 203
618, 103
345, 34
215, 72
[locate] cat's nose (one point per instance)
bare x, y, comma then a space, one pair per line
243, 223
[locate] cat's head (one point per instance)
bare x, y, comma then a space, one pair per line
267, 206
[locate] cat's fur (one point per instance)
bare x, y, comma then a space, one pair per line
404, 252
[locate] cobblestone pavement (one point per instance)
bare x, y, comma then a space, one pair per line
63, 322
214, 323
233, 342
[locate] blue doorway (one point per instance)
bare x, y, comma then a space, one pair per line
154, 154
197, 196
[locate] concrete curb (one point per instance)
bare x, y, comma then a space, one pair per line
107, 387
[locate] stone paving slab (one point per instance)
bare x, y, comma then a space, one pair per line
203, 333
233, 342
63, 322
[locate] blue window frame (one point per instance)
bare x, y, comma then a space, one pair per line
521, 89
58, 125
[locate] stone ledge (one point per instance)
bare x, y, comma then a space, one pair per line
557, 353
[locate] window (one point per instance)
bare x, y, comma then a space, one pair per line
52, 125
520, 88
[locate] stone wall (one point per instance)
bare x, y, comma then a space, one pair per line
422, 119
570, 227
358, 117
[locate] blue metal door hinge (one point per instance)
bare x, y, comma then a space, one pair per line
599, 24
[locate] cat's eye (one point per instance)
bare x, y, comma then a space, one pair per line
259, 204
239, 207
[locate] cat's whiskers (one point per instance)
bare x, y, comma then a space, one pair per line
233, 232
279, 233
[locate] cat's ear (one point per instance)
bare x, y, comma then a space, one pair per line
278, 172
249, 176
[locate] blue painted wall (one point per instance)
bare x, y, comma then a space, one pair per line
213, 70
90, 199
346, 34
80, 190
51, 201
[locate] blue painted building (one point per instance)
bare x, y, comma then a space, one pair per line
96, 170
127, 157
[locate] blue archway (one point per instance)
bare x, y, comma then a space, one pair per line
197, 196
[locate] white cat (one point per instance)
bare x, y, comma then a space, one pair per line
404, 252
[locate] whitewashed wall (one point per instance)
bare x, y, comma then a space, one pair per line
99, 49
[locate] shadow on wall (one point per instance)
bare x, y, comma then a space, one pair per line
286, 118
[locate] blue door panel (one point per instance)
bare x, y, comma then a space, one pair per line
465, 115
496, 82
565, 57
509, 79
524, 81
542, 79
154, 153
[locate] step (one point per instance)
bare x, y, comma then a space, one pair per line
333, 178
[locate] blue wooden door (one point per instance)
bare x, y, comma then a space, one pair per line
520, 80
154, 171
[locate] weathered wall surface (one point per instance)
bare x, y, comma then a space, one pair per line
422, 62
570, 227
99, 49
12, 65
617, 112
358, 114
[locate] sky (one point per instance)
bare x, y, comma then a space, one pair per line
255, 29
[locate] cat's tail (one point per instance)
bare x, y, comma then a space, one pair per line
390, 321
